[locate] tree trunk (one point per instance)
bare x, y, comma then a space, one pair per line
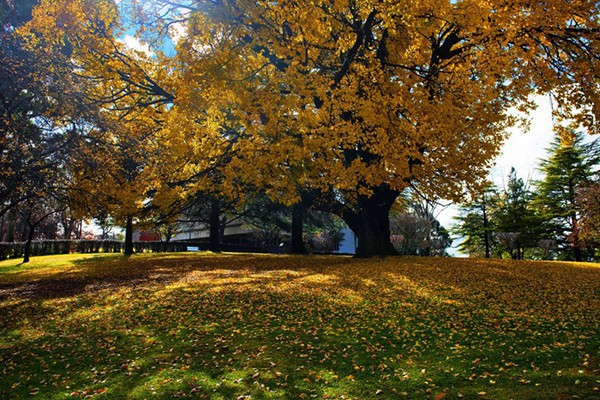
577, 252
214, 222
371, 223
297, 245
576, 244
27, 251
486, 232
10, 232
68, 229
129, 237
575, 241
518, 249
574, 237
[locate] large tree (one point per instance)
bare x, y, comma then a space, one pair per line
355, 99
360, 100
113, 175
114, 166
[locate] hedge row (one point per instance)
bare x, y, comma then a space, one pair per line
158, 247
50, 247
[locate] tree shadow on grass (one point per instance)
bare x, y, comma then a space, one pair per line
490, 282
102, 272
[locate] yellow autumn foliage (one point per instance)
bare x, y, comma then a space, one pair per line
345, 97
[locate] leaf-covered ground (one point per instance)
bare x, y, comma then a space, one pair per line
283, 327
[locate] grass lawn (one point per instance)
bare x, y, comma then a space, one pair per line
284, 327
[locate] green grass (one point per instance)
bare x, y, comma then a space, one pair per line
280, 327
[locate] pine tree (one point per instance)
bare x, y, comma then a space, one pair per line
569, 167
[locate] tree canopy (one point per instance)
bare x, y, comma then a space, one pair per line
356, 100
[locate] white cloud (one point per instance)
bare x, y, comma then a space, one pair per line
177, 31
524, 149
135, 44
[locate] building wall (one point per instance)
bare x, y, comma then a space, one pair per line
348, 243
201, 231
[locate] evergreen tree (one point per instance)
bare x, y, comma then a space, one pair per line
515, 221
475, 226
569, 167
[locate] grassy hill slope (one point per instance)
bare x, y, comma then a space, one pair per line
282, 327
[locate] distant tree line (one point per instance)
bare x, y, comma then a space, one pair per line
555, 217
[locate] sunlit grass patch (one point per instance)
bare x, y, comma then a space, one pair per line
53, 262
279, 327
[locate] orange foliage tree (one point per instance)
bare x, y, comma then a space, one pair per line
120, 106
354, 100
